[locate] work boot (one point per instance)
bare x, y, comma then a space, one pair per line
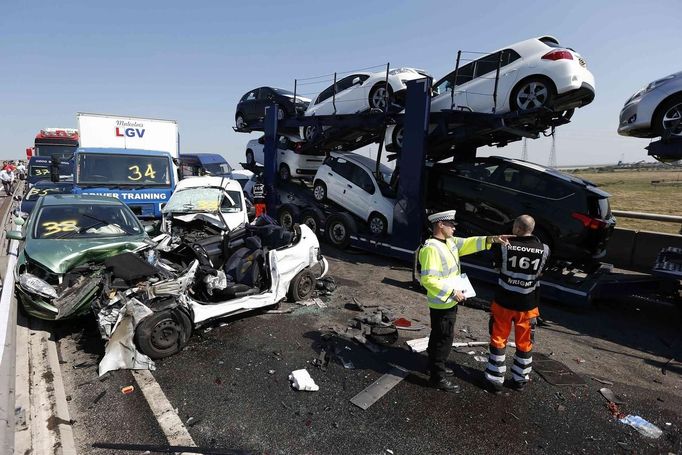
445, 385
519, 386
449, 372
492, 387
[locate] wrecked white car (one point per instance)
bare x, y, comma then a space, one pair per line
201, 268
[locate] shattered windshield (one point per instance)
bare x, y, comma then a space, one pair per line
194, 200
85, 221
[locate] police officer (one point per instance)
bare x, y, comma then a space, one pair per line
516, 301
440, 268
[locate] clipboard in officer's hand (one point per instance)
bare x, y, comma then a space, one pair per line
462, 284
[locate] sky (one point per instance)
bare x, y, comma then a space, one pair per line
192, 61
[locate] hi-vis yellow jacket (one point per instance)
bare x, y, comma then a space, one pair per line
440, 263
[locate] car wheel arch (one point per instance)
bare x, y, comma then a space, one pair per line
517, 86
657, 116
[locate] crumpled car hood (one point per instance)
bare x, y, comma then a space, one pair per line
234, 220
63, 255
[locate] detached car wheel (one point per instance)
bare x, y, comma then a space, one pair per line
532, 93
163, 334
302, 286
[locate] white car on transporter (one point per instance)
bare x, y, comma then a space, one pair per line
291, 161
349, 180
537, 72
360, 92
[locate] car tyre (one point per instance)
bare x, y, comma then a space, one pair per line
164, 333
378, 96
250, 160
320, 191
667, 114
377, 223
239, 120
284, 172
339, 228
397, 140
302, 286
310, 133
532, 93
287, 216
313, 219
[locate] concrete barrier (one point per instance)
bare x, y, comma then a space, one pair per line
637, 250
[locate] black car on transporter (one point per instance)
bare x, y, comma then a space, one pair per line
572, 215
251, 106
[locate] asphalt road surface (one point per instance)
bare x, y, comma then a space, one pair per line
230, 388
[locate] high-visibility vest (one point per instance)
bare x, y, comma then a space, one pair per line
440, 264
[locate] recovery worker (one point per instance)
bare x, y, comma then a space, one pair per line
440, 270
516, 301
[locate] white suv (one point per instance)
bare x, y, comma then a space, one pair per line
349, 181
290, 161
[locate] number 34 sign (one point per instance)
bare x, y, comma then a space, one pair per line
136, 173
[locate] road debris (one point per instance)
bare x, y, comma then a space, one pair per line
127, 390
610, 396
602, 381
379, 388
301, 380
644, 427
99, 397
480, 358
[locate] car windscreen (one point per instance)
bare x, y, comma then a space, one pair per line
130, 170
201, 199
63, 151
37, 191
217, 168
281, 91
39, 170
85, 221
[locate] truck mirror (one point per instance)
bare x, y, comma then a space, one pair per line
54, 169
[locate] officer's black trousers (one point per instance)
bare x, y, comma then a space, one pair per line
440, 340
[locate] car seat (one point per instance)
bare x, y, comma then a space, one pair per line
244, 269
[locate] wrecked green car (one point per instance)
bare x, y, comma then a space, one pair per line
67, 238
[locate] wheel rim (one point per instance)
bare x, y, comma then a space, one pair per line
338, 233
672, 120
318, 192
165, 334
309, 133
376, 225
532, 95
311, 223
286, 220
379, 98
249, 158
305, 285
240, 121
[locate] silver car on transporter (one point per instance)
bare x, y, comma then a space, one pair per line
655, 110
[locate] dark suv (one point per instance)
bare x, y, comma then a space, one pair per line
572, 215
251, 106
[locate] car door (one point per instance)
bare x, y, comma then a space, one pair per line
361, 192
338, 176
501, 197
351, 96
265, 97
249, 105
322, 105
443, 97
481, 88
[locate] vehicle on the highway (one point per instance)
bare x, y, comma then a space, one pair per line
360, 92
214, 201
655, 110
534, 73
39, 168
572, 215
42, 188
66, 241
292, 160
251, 106
198, 164
349, 180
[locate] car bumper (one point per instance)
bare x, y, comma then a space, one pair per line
635, 117
579, 97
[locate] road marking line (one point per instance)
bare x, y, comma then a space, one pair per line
168, 419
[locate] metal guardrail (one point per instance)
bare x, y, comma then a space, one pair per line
648, 216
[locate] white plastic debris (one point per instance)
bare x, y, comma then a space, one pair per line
301, 380
480, 358
643, 426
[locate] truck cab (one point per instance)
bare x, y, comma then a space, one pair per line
143, 179
39, 169
199, 164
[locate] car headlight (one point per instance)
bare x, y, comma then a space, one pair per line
37, 286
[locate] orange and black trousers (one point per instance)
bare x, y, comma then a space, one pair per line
501, 320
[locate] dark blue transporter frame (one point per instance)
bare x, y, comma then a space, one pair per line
458, 133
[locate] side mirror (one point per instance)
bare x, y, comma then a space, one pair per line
19, 220
54, 169
15, 235
357, 81
148, 228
